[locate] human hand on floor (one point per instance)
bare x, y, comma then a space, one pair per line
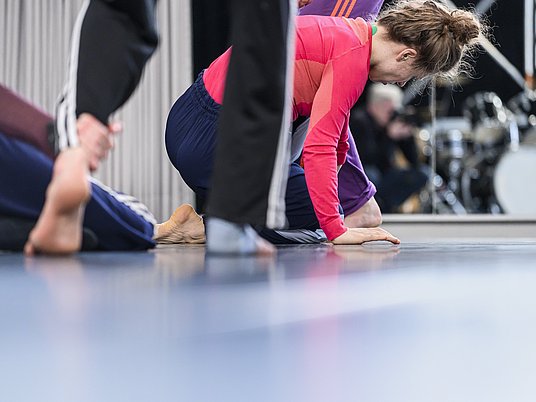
363, 235
96, 138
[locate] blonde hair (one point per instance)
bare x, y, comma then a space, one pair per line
378, 93
443, 38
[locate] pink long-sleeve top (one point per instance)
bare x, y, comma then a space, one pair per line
330, 72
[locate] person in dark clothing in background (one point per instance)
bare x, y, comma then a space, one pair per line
379, 132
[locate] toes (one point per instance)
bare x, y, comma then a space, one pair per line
29, 249
265, 248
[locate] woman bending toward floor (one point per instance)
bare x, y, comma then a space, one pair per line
334, 59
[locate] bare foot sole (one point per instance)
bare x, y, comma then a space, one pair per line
184, 226
59, 228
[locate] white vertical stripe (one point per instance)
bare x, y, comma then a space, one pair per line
275, 216
529, 38
433, 145
70, 95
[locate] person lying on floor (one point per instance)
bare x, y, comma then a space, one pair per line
112, 221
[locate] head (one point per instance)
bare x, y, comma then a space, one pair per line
422, 38
383, 101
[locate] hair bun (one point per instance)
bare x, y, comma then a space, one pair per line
442, 37
463, 25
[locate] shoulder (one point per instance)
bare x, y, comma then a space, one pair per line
361, 30
357, 30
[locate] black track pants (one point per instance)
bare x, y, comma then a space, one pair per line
252, 154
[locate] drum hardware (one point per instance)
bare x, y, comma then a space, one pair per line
476, 183
448, 201
481, 160
492, 123
523, 106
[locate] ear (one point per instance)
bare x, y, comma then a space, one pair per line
406, 54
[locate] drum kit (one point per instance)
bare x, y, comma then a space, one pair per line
485, 162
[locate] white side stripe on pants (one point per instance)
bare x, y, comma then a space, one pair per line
66, 107
275, 216
129, 201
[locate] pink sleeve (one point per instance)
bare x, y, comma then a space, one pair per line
342, 146
326, 144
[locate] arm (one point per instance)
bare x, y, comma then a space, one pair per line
23, 121
401, 133
409, 149
365, 137
323, 149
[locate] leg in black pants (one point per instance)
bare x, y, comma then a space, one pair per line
252, 156
112, 41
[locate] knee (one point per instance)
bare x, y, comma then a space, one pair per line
373, 218
373, 215
368, 216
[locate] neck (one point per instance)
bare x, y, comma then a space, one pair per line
384, 47
379, 45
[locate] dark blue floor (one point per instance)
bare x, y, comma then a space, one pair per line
420, 322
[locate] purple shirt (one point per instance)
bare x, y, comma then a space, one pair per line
366, 9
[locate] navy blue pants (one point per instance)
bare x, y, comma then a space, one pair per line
190, 144
118, 221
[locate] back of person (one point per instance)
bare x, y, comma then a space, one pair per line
319, 42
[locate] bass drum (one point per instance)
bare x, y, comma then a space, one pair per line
513, 180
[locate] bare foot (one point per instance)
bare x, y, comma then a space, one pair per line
59, 228
184, 226
233, 239
264, 247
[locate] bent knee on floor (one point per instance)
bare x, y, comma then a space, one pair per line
373, 219
378, 218
361, 219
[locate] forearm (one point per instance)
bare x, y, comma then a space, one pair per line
409, 149
320, 168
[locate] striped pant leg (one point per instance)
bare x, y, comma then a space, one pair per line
252, 154
118, 221
111, 42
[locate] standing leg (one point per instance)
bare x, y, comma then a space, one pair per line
111, 42
252, 155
